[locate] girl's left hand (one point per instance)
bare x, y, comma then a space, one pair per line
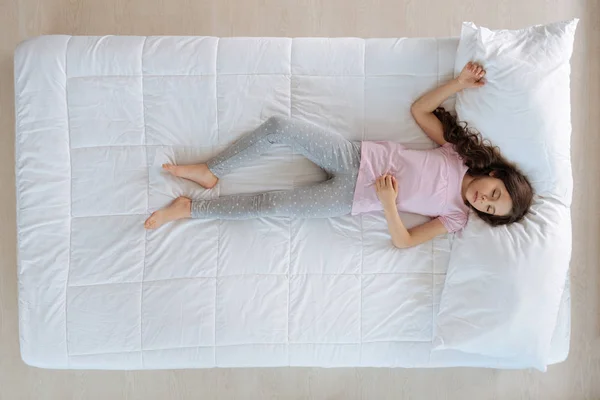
387, 190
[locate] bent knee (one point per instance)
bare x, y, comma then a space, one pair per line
277, 121
276, 129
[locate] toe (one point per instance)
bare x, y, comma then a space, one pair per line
150, 222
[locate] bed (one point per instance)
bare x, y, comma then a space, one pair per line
95, 119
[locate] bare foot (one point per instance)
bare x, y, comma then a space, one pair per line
180, 208
198, 173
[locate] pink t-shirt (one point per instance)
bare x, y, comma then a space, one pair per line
429, 181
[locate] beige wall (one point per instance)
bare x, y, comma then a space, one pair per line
577, 378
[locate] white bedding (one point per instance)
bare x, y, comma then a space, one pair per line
96, 116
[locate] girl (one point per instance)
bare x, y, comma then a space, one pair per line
464, 173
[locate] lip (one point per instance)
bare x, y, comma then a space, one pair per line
475, 197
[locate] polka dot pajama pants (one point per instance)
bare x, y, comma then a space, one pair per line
339, 157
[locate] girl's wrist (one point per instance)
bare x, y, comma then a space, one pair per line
459, 84
389, 207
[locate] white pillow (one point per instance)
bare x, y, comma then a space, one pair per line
504, 285
525, 106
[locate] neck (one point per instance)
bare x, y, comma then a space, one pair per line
465, 184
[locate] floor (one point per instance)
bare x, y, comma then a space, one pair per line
577, 378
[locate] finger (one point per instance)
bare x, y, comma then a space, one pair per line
394, 184
480, 82
388, 180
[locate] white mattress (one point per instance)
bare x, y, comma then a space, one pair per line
96, 116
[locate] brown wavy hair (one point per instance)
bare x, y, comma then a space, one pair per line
482, 158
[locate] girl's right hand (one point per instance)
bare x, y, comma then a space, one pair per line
472, 75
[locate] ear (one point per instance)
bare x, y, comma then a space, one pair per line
493, 174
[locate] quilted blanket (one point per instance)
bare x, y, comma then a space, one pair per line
97, 116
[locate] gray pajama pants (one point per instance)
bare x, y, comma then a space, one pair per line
339, 157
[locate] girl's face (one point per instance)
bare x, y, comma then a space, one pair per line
489, 195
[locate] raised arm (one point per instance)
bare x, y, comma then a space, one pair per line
422, 109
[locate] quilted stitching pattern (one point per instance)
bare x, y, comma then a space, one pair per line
273, 291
